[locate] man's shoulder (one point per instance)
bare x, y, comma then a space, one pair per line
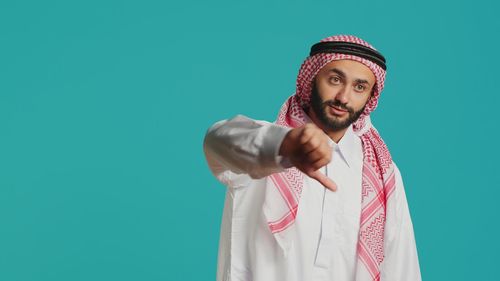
246, 119
396, 168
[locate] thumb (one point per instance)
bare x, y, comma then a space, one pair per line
324, 180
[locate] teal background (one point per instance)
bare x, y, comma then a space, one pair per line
104, 105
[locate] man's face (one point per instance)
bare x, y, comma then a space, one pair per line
340, 92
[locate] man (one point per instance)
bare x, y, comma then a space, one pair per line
353, 221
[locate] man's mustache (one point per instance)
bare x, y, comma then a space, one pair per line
336, 103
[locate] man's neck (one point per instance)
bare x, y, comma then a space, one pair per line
336, 136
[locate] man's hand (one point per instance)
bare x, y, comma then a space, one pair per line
308, 150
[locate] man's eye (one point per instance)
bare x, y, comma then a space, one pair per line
335, 80
360, 87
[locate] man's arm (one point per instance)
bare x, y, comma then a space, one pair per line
241, 148
401, 258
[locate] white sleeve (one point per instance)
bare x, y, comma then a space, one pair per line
240, 149
400, 249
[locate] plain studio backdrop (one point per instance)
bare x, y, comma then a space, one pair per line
104, 106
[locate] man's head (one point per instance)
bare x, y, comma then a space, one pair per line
355, 56
340, 92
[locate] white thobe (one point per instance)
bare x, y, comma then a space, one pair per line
240, 153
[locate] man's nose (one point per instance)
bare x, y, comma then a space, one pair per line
342, 95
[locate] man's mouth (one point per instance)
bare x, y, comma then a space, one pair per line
338, 108
337, 111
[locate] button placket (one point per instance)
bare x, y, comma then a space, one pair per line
328, 230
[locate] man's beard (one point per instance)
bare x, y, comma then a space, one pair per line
333, 123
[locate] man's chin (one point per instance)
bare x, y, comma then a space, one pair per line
336, 125
332, 119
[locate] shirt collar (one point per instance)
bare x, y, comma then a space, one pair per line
345, 146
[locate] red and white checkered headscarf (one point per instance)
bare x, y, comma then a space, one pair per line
378, 182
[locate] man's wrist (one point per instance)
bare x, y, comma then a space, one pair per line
283, 162
273, 141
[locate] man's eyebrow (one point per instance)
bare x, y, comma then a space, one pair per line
342, 74
338, 71
362, 81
